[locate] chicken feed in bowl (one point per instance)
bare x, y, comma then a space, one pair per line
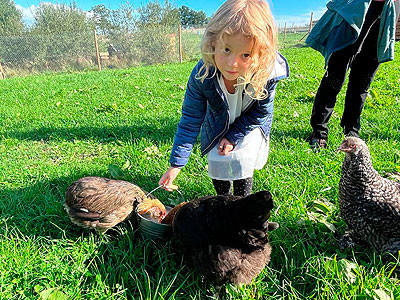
151, 228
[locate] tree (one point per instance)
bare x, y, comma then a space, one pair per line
123, 19
64, 33
155, 14
156, 34
112, 22
60, 18
101, 16
10, 18
192, 18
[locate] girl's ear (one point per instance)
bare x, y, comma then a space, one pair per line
214, 40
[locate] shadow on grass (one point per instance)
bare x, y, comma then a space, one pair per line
38, 209
123, 259
307, 98
147, 269
100, 134
373, 133
365, 134
300, 134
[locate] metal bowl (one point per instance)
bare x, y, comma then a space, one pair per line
151, 229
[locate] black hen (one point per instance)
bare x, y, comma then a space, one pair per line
369, 203
226, 236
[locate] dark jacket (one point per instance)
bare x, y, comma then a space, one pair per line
205, 107
341, 25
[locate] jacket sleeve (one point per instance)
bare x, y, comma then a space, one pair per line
193, 112
260, 114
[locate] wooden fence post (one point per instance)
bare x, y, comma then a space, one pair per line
309, 28
284, 34
97, 51
2, 73
180, 42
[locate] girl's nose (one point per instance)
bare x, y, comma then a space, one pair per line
233, 62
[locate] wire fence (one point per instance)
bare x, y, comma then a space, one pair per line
36, 53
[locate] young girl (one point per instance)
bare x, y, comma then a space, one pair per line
230, 96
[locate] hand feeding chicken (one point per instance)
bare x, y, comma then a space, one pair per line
225, 236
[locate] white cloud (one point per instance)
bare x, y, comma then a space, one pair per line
27, 13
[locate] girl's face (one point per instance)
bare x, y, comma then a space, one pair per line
232, 56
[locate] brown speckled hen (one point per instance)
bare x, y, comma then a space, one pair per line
369, 203
226, 236
101, 203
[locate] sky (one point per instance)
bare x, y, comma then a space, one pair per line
285, 11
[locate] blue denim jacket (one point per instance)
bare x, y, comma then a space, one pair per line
205, 108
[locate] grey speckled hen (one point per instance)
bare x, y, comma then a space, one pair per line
369, 203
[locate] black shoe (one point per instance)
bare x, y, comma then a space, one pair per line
352, 133
317, 143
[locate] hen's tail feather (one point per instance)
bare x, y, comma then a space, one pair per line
83, 215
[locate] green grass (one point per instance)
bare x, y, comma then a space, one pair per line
56, 128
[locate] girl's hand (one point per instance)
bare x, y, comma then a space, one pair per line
167, 179
225, 147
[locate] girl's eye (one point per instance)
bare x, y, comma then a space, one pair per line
227, 50
246, 56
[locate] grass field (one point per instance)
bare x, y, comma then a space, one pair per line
57, 128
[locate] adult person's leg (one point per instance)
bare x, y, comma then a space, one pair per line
363, 69
325, 99
333, 80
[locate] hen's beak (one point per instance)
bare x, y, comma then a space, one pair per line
344, 147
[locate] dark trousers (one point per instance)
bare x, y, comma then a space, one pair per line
241, 187
361, 58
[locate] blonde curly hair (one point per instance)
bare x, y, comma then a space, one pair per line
253, 19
